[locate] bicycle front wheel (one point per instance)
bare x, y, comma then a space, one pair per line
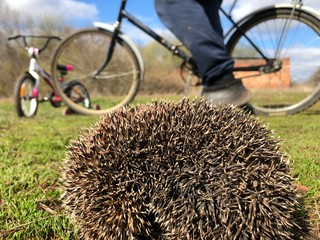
25, 96
289, 39
111, 86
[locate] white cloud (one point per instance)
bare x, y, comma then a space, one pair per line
244, 7
77, 11
309, 62
140, 37
69, 9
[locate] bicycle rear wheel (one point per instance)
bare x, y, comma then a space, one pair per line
78, 93
296, 43
86, 50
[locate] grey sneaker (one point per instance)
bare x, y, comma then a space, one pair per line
232, 93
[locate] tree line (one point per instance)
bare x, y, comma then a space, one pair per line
13, 57
161, 75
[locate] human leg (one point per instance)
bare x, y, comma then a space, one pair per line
196, 23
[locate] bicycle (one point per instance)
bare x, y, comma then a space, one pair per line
267, 46
26, 90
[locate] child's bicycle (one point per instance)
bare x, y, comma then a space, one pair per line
26, 90
276, 51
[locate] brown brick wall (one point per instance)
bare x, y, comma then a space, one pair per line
280, 79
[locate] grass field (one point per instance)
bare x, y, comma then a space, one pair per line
32, 153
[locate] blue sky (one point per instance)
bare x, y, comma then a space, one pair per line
108, 9
83, 12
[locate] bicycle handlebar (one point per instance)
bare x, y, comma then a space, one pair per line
24, 37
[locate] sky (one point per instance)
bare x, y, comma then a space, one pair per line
82, 13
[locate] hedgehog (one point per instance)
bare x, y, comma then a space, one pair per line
179, 170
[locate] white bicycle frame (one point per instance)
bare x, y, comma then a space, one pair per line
35, 70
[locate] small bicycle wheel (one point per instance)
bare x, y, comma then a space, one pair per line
78, 93
114, 86
292, 43
25, 96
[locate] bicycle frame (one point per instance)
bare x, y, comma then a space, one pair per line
123, 14
272, 29
187, 59
35, 70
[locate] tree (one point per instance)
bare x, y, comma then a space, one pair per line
13, 59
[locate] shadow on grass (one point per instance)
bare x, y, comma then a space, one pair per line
304, 217
312, 112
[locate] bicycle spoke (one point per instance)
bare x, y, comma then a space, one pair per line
294, 40
109, 86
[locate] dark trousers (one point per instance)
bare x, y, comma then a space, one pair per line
196, 23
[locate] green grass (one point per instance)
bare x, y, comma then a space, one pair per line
32, 152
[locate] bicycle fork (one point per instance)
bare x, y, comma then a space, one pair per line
113, 41
32, 71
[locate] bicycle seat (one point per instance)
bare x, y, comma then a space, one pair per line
63, 69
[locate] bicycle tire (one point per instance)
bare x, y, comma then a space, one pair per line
78, 93
296, 86
86, 50
25, 96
